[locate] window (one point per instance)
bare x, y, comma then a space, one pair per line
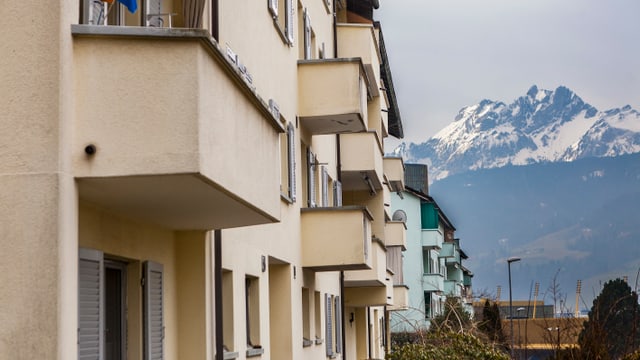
427, 305
317, 304
227, 309
288, 161
324, 186
252, 308
333, 325
311, 179
329, 325
337, 193
306, 318
101, 305
98, 12
307, 35
283, 12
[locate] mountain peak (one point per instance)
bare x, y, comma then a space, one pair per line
542, 126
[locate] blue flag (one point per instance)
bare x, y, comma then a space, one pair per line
132, 5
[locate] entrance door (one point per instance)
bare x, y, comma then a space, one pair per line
114, 310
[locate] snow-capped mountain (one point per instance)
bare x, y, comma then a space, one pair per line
542, 126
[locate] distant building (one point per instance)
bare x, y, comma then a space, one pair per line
433, 268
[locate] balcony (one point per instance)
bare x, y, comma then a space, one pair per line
336, 238
400, 298
396, 234
168, 149
377, 275
432, 239
361, 161
332, 96
360, 41
365, 296
432, 282
452, 288
394, 172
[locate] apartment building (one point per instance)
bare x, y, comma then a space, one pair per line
197, 179
433, 269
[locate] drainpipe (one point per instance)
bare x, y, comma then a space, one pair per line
335, 31
344, 336
369, 343
217, 279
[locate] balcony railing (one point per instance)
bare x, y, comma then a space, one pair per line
360, 40
336, 238
377, 275
432, 239
433, 282
152, 149
394, 172
452, 288
332, 96
361, 160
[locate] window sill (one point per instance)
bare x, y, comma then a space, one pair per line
286, 199
306, 343
255, 352
319, 341
229, 355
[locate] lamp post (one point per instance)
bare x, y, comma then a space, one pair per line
509, 261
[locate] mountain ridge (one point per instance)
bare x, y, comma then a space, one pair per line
541, 126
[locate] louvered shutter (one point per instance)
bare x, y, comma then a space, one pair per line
289, 20
311, 172
325, 186
337, 193
307, 35
291, 142
329, 324
338, 325
153, 311
90, 305
273, 8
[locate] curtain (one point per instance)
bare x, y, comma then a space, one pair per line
193, 10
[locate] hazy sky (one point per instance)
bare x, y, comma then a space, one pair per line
447, 54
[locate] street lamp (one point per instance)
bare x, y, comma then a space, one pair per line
558, 343
509, 261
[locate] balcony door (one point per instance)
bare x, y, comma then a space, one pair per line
114, 310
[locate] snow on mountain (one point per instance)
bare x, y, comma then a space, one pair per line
542, 126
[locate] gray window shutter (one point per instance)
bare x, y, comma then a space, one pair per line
90, 304
325, 186
307, 35
289, 30
337, 193
338, 325
273, 8
153, 311
291, 143
329, 324
311, 171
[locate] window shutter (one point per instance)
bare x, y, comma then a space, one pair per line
307, 35
273, 8
329, 324
311, 174
153, 311
291, 142
289, 20
338, 325
337, 193
90, 305
325, 186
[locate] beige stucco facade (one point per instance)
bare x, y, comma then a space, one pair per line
131, 150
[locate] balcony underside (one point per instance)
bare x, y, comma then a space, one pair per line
181, 202
333, 124
365, 296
